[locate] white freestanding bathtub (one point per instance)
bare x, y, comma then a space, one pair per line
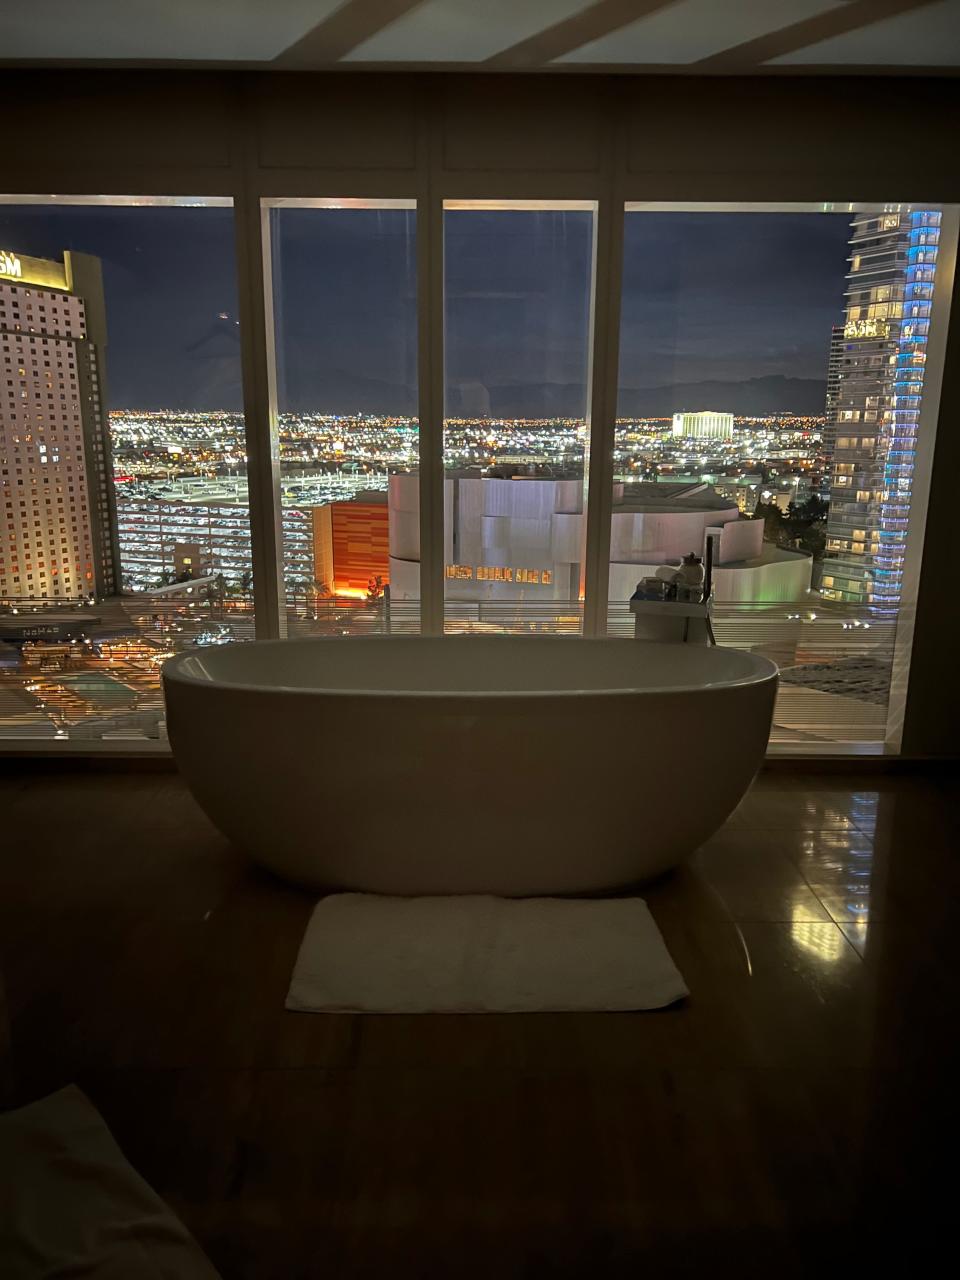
471, 764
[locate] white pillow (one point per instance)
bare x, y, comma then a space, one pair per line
71, 1204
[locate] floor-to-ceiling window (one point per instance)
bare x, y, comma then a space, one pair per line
125, 533
518, 282
771, 383
777, 387
344, 310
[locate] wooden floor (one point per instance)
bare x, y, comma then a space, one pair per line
779, 1123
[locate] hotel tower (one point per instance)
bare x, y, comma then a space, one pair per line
58, 533
875, 383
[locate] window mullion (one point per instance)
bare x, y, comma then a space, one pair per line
431, 405
258, 355
604, 367
898, 709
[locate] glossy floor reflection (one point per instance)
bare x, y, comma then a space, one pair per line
780, 1122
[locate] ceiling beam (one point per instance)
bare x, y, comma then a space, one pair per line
854, 16
598, 19
342, 31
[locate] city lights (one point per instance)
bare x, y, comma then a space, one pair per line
141, 519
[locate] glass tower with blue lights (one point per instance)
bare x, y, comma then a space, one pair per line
873, 410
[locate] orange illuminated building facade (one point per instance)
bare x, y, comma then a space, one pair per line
351, 543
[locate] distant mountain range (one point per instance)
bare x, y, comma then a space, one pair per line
345, 393
751, 396
348, 393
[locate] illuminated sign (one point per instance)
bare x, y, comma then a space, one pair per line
498, 573
31, 632
866, 329
51, 275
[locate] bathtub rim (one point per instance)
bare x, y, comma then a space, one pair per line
171, 670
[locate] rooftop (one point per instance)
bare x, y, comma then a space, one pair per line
649, 497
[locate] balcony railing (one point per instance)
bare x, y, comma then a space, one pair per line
72, 675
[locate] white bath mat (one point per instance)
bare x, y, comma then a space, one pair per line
371, 954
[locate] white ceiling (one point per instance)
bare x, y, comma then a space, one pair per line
930, 38
194, 30
726, 36
461, 30
689, 30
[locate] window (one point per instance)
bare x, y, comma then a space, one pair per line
720, 307
344, 276
517, 298
753, 342
145, 471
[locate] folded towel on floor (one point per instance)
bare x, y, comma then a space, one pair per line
480, 954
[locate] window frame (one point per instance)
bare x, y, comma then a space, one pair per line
635, 201
598, 415
613, 189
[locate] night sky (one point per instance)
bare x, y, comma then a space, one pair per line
730, 297
167, 274
708, 298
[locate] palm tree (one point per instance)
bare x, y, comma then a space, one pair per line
321, 591
215, 591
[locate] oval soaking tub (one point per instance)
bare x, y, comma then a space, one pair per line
473, 764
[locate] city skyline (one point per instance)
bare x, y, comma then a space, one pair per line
506, 265
349, 489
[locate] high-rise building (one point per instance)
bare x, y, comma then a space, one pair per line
58, 539
875, 383
706, 425
834, 367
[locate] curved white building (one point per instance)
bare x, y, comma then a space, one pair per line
522, 538
655, 523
